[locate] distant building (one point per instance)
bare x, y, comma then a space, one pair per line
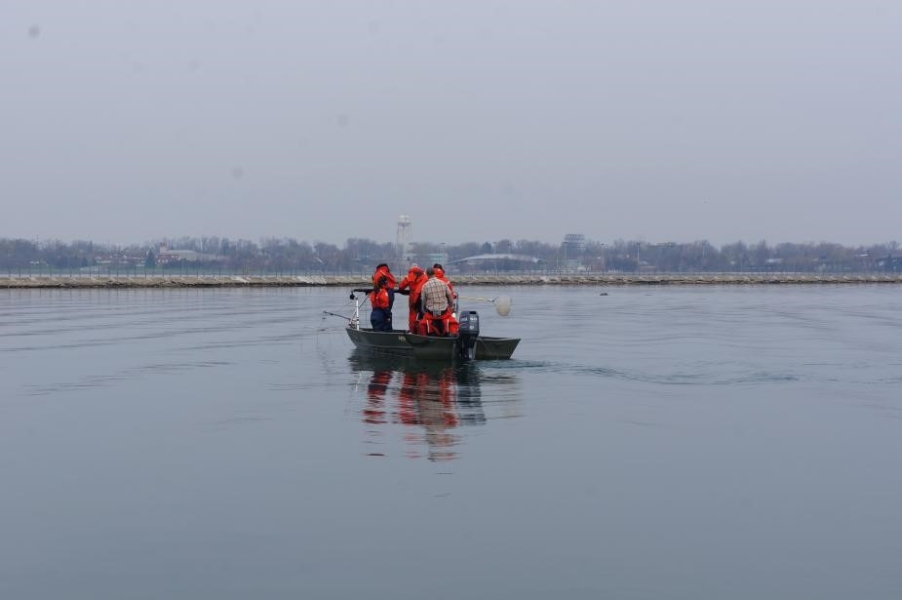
166, 256
890, 263
572, 249
574, 245
494, 262
436, 257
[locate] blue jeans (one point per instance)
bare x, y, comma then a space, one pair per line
380, 319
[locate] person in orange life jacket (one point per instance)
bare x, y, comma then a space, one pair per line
382, 270
437, 302
411, 285
380, 316
440, 273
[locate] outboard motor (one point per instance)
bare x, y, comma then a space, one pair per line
467, 334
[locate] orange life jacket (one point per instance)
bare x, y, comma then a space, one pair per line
414, 280
384, 272
442, 325
379, 298
440, 274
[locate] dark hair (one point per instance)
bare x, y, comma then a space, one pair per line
430, 271
380, 265
438, 266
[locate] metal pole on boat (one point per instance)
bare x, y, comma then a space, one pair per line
355, 321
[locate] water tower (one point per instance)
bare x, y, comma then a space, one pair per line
403, 241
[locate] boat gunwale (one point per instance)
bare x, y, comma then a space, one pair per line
399, 342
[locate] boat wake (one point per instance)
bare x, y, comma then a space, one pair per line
697, 374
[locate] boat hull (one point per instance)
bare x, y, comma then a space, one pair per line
401, 343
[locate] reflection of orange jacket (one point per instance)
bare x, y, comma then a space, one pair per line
424, 399
383, 271
379, 298
374, 412
407, 414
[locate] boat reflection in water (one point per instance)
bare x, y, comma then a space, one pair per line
431, 400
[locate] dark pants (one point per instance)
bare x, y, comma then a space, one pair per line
380, 319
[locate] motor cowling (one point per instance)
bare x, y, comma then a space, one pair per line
468, 331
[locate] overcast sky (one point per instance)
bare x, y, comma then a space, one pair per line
658, 120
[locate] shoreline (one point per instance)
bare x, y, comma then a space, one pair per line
618, 279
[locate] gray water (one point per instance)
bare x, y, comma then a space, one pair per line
649, 443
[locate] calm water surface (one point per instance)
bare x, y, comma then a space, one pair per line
650, 443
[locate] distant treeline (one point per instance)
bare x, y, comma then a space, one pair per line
360, 255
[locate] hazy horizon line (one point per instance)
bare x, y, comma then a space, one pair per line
314, 241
